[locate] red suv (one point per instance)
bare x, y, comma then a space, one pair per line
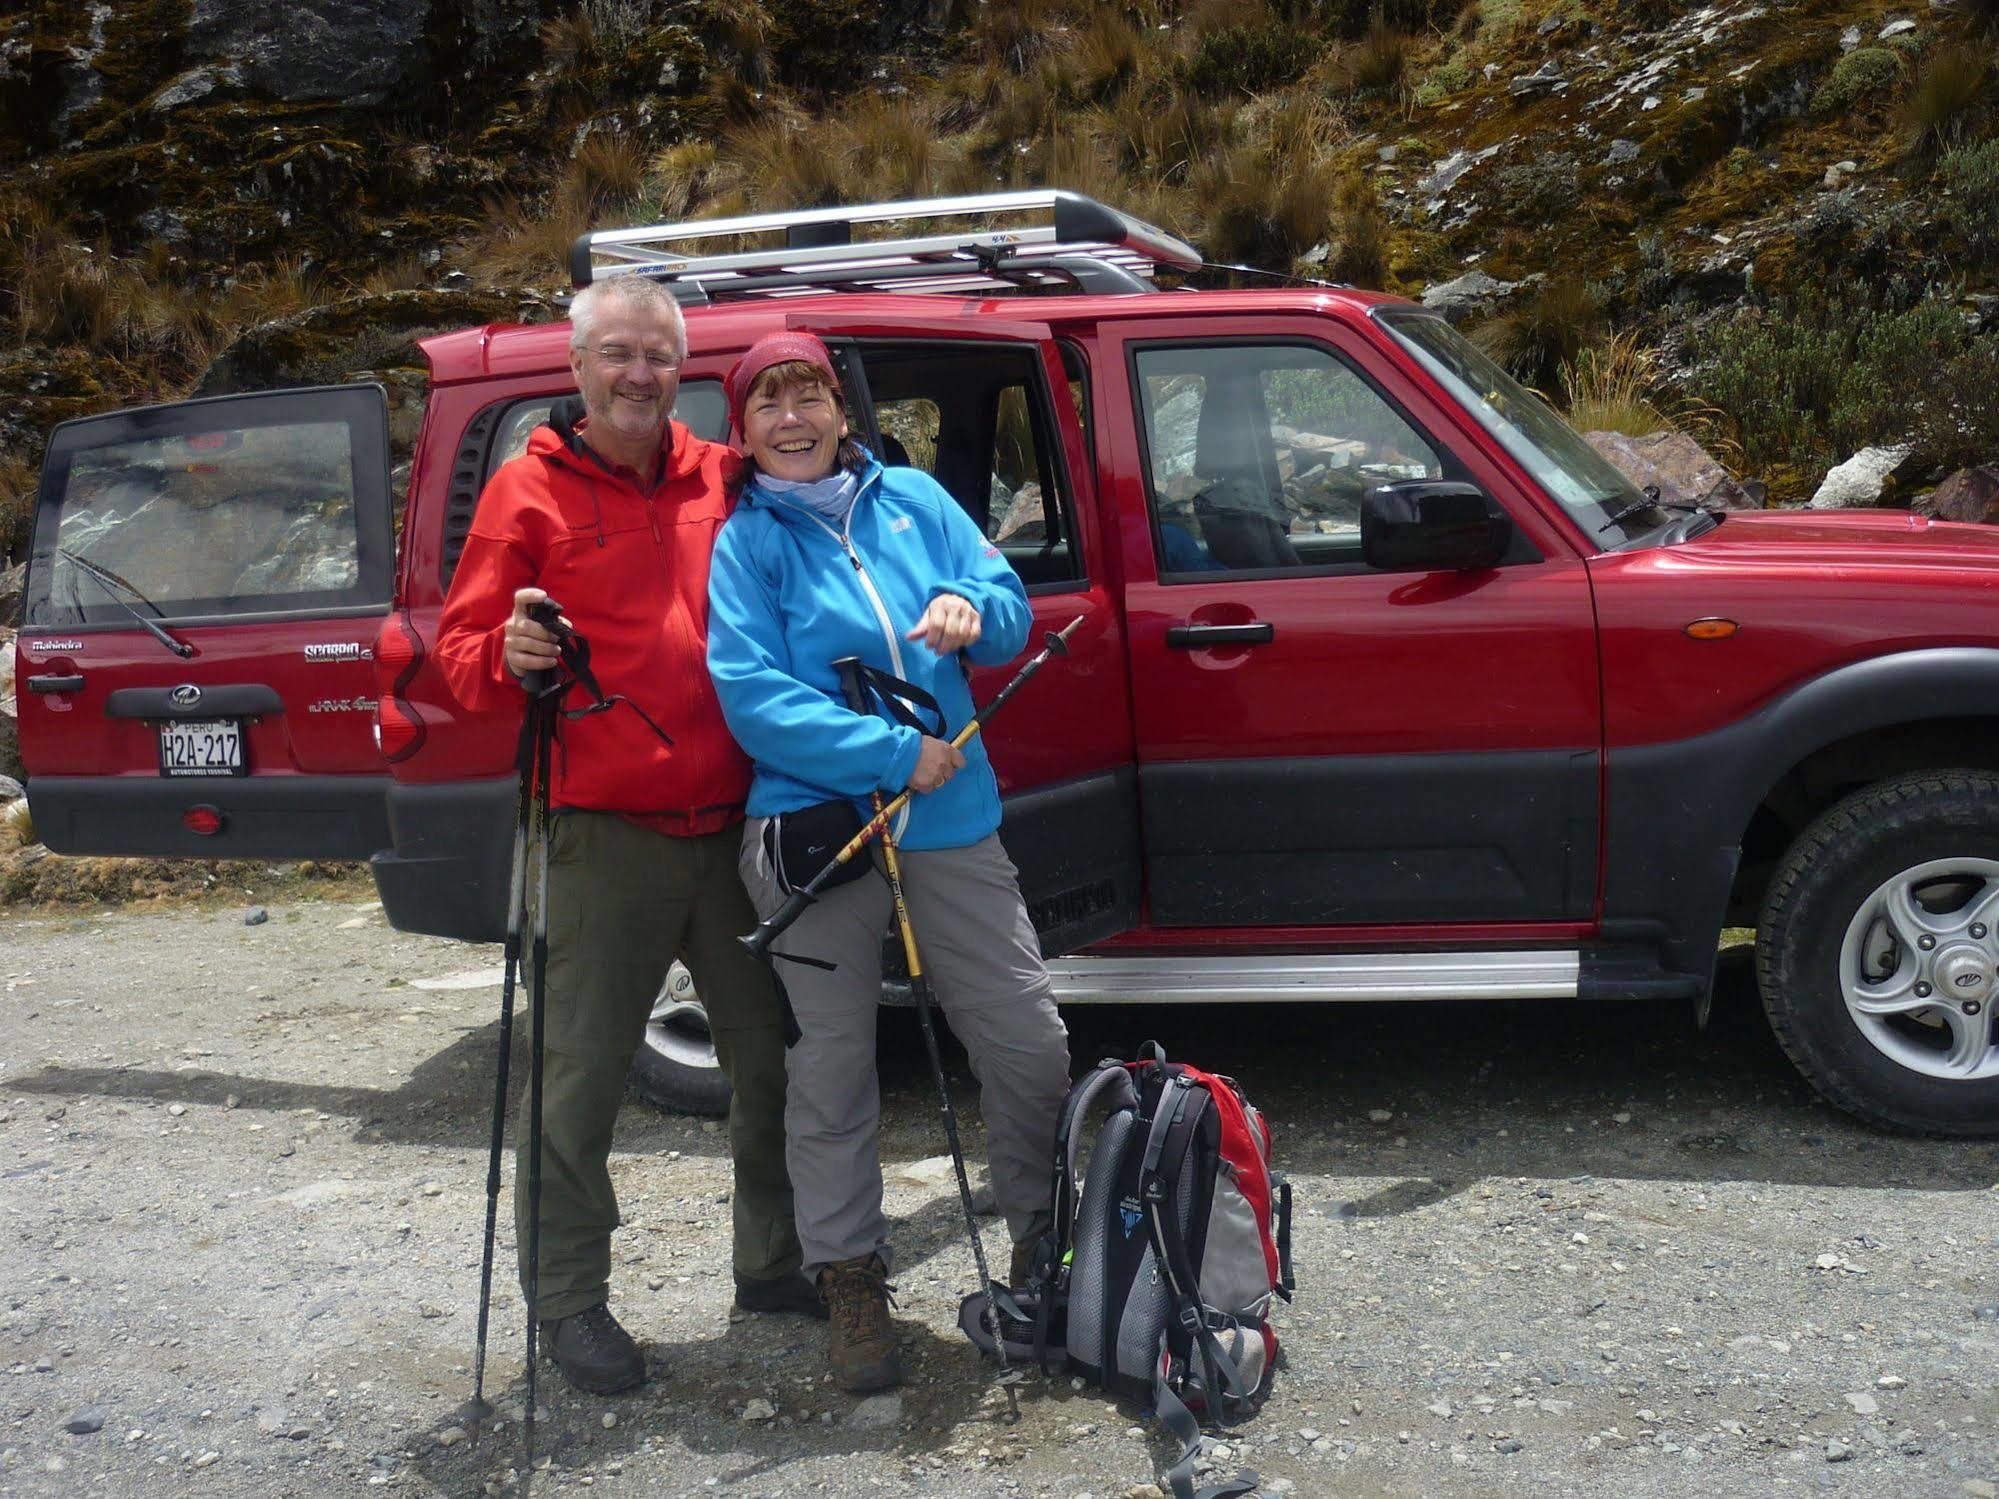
1389, 686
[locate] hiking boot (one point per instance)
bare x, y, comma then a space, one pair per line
788, 1293
593, 1352
862, 1346
1022, 1265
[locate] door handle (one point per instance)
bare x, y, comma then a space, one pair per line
49, 682
1201, 637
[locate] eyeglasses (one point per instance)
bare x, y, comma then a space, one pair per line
620, 357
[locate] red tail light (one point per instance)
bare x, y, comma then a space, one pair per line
204, 820
399, 728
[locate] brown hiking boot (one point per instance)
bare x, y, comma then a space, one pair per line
593, 1352
862, 1346
1022, 1264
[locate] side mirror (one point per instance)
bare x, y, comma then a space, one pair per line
1432, 525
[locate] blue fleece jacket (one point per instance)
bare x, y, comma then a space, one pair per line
790, 593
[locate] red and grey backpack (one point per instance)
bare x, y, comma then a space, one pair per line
1157, 1278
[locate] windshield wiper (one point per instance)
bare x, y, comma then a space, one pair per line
119, 590
1650, 501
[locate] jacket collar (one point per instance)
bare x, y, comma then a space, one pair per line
755, 494
564, 444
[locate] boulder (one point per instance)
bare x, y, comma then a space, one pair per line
1864, 479
1471, 295
1970, 494
353, 51
1684, 471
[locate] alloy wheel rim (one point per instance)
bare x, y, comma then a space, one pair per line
1919, 969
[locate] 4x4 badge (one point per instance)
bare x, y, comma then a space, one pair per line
187, 695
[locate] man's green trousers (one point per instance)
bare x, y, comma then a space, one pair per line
623, 903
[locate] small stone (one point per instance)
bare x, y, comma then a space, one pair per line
1441, 1408
177, 1109
232, 1101
451, 1436
1849, 39
1891, 1382
430, 1310
1863, 1405
1838, 1452
1308, 1434
208, 1459
431, 1189
759, 1409
256, 916
1381, 1116
84, 1421
1507, 1444
610, 1420
1900, 26
1979, 1488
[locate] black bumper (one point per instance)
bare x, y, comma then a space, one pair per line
445, 870
263, 817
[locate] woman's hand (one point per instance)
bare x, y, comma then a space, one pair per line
949, 624
527, 646
936, 763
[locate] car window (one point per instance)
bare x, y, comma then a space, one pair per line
246, 519
976, 418
1258, 455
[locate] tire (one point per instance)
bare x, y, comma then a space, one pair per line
1878, 953
675, 1068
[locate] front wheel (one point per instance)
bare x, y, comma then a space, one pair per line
1878, 953
676, 1067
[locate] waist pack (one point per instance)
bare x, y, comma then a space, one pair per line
1167, 1250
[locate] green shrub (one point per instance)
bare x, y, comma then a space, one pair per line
1354, 18
1445, 79
1863, 71
1248, 59
1811, 379
1971, 175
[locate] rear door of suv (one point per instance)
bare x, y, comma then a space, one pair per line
205, 581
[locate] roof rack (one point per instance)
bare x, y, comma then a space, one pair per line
992, 244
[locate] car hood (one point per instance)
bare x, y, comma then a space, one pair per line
1843, 539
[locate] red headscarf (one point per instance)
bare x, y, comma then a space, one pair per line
773, 349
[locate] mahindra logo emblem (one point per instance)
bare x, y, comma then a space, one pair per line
187, 695
1968, 980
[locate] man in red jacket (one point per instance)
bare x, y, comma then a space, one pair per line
615, 519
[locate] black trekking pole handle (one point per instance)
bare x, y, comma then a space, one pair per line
1054, 643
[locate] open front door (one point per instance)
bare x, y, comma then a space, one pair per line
989, 411
204, 585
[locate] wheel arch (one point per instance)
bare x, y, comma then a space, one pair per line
1689, 824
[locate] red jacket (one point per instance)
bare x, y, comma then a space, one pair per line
631, 573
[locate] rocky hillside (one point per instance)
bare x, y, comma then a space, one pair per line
1765, 221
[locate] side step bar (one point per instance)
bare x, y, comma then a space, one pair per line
1317, 978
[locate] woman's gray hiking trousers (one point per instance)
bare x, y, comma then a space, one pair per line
985, 968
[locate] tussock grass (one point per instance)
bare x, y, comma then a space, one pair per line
1360, 250
522, 245
606, 177
1947, 99
1615, 387
1544, 333
1377, 63
17, 824
17, 505
781, 162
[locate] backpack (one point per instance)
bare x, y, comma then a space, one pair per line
1156, 1279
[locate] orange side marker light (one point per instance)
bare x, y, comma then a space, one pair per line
1711, 629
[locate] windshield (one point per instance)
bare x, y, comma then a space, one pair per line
1606, 504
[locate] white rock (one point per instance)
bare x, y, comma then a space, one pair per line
451, 1436
1849, 39
1839, 174
177, 1109
1900, 26
1381, 1116
1860, 481
1891, 1382
1441, 1408
1863, 1405
759, 1409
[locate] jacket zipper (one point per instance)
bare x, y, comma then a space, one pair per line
845, 540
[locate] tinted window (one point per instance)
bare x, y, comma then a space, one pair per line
699, 404
246, 519
1258, 456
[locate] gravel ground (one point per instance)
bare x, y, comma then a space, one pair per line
1544, 1249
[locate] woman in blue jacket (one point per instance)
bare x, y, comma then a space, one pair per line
831, 555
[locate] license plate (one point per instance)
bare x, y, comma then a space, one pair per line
208, 747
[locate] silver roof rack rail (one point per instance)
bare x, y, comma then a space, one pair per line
993, 241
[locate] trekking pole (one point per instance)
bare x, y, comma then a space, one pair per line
1054, 643
919, 988
537, 1027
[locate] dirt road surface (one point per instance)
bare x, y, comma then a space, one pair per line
1542, 1249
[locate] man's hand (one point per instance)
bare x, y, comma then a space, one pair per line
529, 647
936, 763
949, 624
